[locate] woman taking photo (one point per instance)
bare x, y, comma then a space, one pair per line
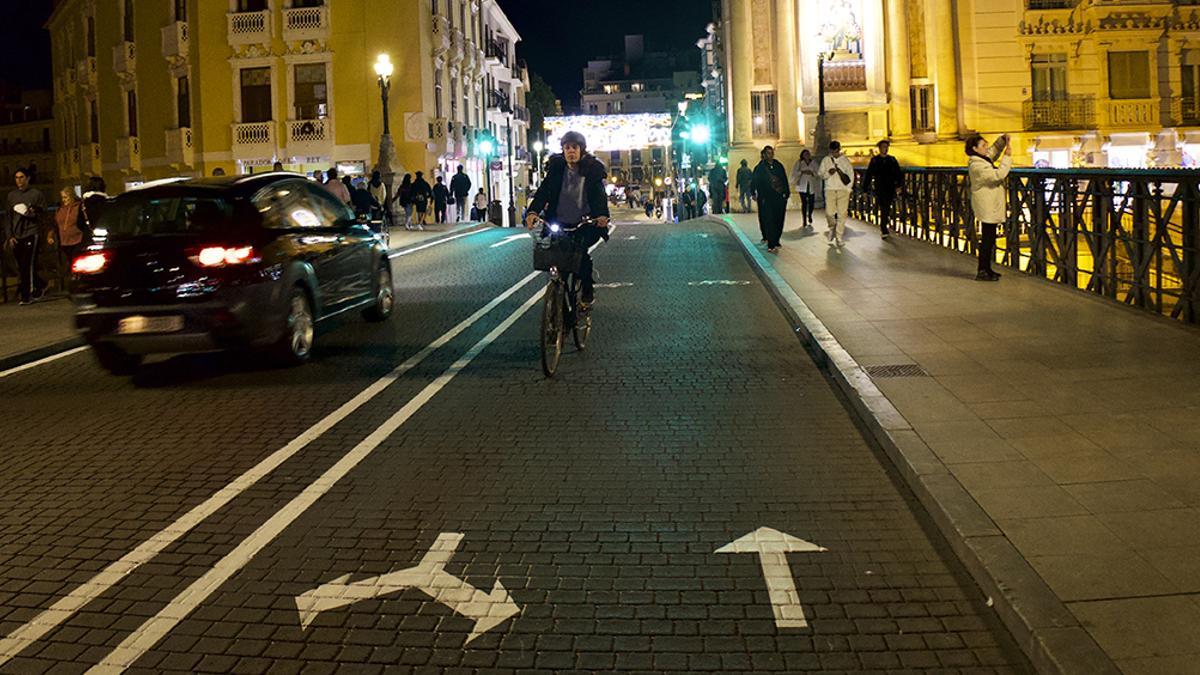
987, 195
804, 178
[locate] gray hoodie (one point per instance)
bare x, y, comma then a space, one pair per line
27, 225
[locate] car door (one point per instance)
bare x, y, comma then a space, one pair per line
288, 207
351, 259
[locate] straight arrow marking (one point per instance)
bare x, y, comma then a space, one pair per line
487, 610
772, 547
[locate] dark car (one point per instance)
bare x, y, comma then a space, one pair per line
219, 263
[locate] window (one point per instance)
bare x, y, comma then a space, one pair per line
91, 36
437, 93
93, 121
1190, 89
635, 157
183, 102
128, 21
252, 5
593, 108
256, 95
1128, 75
143, 216
328, 208
180, 10
311, 92
656, 155
1049, 77
614, 158
922, 108
637, 86
131, 111
763, 114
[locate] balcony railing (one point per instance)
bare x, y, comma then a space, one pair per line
846, 75
1129, 235
521, 113
254, 140
305, 23
1133, 113
175, 40
180, 149
125, 57
497, 51
129, 154
1051, 4
1189, 110
248, 28
310, 138
498, 100
1070, 113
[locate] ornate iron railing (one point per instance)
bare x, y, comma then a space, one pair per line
1132, 236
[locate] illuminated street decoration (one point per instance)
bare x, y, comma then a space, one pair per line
841, 30
609, 133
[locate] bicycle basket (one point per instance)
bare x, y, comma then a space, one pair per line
562, 253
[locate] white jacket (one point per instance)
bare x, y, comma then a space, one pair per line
834, 183
802, 181
987, 188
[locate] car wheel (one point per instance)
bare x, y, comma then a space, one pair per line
385, 296
115, 360
296, 343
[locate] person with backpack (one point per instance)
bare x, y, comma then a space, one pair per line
404, 199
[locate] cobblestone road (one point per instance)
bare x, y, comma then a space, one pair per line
554, 526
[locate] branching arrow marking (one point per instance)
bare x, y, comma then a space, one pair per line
772, 547
487, 610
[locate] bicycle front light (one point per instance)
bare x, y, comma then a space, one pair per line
554, 227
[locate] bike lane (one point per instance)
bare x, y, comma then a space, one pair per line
500, 528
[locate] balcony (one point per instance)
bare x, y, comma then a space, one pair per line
1188, 112
254, 140
90, 159
305, 23
496, 53
498, 100
457, 46
125, 58
180, 150
1139, 113
1071, 113
310, 138
441, 35
129, 154
249, 28
1051, 4
85, 73
175, 40
521, 113
848, 75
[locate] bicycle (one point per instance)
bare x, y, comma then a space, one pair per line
559, 254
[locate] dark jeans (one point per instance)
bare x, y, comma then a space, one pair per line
745, 199
439, 213
987, 246
884, 206
771, 213
808, 202
718, 203
460, 207
28, 283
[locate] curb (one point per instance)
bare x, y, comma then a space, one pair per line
1042, 626
24, 358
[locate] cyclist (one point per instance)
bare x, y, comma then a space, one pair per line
573, 191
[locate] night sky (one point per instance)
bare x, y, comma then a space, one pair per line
559, 35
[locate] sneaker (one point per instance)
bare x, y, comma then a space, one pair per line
885, 235
840, 242
829, 235
25, 302
985, 275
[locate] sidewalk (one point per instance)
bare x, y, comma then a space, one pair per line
45, 328
1054, 437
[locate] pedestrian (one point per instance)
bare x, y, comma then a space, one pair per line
26, 207
771, 186
987, 195
701, 200
379, 193
745, 185
277, 166
69, 220
804, 178
460, 191
688, 198
421, 192
404, 199
441, 196
838, 174
718, 188
885, 180
479, 212
336, 187
362, 201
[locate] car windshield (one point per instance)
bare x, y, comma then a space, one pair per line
137, 215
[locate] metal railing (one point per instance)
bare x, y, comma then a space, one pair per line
1051, 4
1132, 236
1077, 112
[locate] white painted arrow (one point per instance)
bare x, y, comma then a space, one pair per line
509, 239
487, 610
772, 547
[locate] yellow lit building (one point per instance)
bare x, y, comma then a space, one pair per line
148, 90
1075, 82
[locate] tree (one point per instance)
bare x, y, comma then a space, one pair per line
541, 103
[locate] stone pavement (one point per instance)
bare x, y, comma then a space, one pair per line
1053, 425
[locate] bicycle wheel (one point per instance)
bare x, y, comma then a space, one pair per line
552, 328
581, 326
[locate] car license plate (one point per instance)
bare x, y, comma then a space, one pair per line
133, 325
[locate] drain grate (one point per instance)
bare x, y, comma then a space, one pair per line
897, 370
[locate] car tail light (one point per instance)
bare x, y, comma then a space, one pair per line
220, 256
92, 263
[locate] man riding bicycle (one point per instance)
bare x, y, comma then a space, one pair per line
572, 192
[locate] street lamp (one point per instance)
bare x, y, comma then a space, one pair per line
821, 133
387, 149
487, 146
538, 148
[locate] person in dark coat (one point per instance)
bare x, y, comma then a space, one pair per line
572, 192
885, 180
441, 197
421, 194
771, 186
460, 188
745, 185
718, 188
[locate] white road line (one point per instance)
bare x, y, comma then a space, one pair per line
509, 240
65, 607
155, 629
41, 362
393, 256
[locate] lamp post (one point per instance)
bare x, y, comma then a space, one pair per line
487, 146
821, 132
512, 189
538, 147
387, 149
